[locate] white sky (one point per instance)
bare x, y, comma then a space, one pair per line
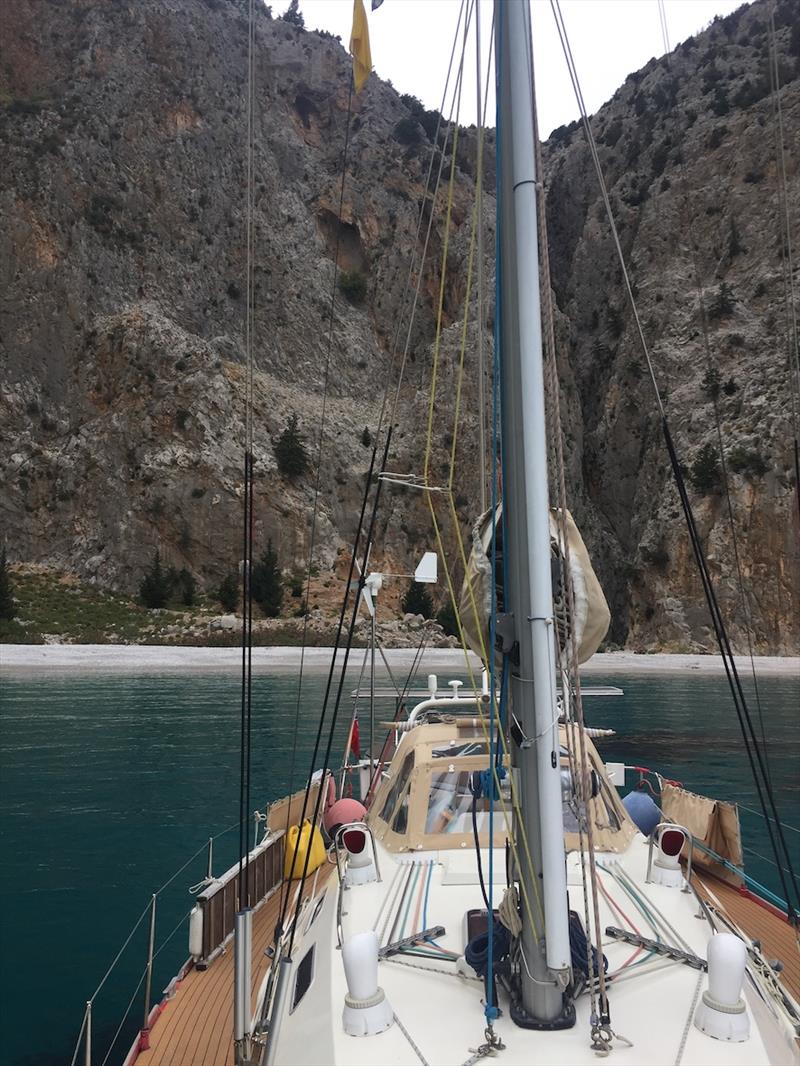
411, 42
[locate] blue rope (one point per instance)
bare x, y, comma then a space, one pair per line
761, 890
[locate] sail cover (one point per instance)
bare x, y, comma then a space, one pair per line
592, 615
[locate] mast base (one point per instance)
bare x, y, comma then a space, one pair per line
521, 1018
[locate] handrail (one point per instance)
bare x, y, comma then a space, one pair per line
340, 898
690, 840
761, 814
217, 918
85, 1031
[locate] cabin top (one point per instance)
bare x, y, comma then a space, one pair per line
425, 802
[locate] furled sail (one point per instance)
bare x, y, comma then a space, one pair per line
592, 615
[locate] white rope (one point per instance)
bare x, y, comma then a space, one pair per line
410, 1039
690, 1016
508, 911
431, 969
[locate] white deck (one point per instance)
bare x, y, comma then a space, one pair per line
443, 1013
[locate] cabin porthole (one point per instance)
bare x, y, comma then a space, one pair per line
303, 977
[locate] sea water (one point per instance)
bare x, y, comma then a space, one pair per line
109, 784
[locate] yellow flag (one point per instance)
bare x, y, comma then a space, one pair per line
359, 46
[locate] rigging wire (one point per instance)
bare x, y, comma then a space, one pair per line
280, 924
711, 365
752, 748
787, 264
248, 487
337, 703
482, 412
328, 685
318, 478
568, 660
418, 287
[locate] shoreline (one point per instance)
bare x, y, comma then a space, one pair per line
28, 659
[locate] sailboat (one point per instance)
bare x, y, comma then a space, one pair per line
490, 895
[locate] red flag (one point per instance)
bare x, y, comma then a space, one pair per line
355, 740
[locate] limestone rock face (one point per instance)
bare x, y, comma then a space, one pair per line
688, 149
122, 320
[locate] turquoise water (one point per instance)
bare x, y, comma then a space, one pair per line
110, 783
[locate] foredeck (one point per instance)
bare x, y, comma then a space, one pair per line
195, 1027
759, 921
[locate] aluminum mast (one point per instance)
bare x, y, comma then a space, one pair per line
528, 588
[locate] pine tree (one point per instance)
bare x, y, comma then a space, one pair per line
290, 451
705, 470
155, 588
187, 588
228, 592
711, 383
8, 608
722, 302
417, 600
267, 585
293, 16
446, 617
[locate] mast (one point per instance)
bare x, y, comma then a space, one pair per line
528, 587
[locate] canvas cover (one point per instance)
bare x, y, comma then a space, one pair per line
592, 615
415, 765
712, 823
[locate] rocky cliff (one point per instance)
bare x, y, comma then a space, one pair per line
123, 135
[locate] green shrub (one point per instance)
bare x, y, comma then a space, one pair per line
407, 131
657, 556
735, 245
753, 177
290, 451
354, 285
8, 608
747, 461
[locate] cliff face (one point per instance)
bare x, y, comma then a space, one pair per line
688, 147
122, 128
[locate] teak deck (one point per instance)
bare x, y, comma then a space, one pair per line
195, 1027
760, 921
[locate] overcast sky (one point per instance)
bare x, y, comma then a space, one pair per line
411, 41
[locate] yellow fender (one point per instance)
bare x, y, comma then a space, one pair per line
297, 843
